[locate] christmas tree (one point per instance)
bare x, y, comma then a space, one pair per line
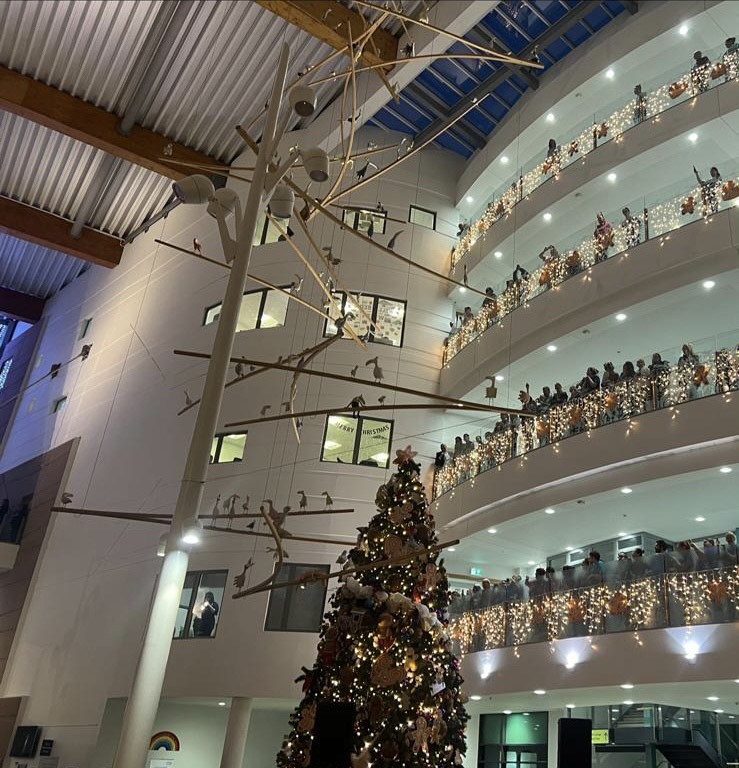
385, 688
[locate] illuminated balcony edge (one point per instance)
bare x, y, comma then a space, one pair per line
618, 125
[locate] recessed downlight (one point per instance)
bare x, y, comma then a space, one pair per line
610, 74
549, 511
550, 117
708, 284
621, 316
700, 519
547, 217
551, 347
683, 29
692, 137
492, 530
711, 698
470, 199
507, 711
627, 686
475, 698
504, 159
500, 378
498, 254
725, 470
612, 177
626, 490
539, 691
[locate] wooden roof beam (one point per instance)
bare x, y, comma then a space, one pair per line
21, 306
92, 125
36, 226
327, 21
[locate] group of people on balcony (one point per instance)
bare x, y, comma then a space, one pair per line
685, 557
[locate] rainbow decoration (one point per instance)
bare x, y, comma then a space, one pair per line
165, 740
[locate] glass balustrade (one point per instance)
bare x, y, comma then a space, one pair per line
608, 124
714, 370
650, 218
671, 599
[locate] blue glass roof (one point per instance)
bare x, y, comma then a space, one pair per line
556, 27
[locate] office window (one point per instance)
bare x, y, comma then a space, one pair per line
422, 216
59, 404
227, 448
388, 318
299, 608
350, 440
266, 231
264, 308
200, 604
4, 371
360, 218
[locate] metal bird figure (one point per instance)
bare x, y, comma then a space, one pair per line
342, 558
303, 503
340, 322
216, 506
381, 399
232, 499
245, 505
264, 410
363, 170
240, 580
168, 149
251, 525
66, 498
371, 229
353, 372
329, 501
297, 284
274, 553
409, 49
376, 371
188, 399
356, 404
286, 406
464, 275
380, 207
394, 239
352, 118
196, 246
327, 13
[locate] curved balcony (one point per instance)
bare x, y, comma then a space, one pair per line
655, 602
603, 130
650, 225
636, 429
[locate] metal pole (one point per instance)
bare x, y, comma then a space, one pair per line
138, 720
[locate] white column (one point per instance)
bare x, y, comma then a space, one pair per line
553, 736
234, 745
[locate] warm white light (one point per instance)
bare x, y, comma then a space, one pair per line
708, 284
506, 711
499, 378
550, 117
451, 549
191, 538
622, 534
547, 216
571, 659
691, 648
725, 470
626, 490
498, 254
531, 562
719, 711
221, 703
620, 317
700, 519
568, 549
712, 698
470, 199
570, 706
610, 74
504, 159
627, 686
492, 530
683, 30
628, 702
462, 289
612, 177
539, 691
475, 698
693, 137
548, 511
551, 347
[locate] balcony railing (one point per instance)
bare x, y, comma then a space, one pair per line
656, 100
655, 220
655, 602
660, 387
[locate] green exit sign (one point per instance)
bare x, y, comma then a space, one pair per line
475, 571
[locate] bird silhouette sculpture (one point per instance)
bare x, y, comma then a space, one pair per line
303, 504
66, 498
188, 399
264, 410
394, 239
240, 580
329, 502
196, 246
353, 372
376, 371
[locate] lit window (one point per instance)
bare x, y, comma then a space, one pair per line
265, 308
59, 404
350, 440
360, 218
200, 604
299, 608
387, 316
4, 371
422, 216
267, 231
228, 448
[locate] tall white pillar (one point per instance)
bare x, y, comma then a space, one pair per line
234, 745
553, 735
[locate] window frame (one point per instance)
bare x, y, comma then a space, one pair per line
193, 598
262, 303
357, 440
359, 209
219, 436
375, 307
59, 404
424, 210
291, 594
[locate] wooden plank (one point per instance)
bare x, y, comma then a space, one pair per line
21, 306
85, 122
329, 22
36, 226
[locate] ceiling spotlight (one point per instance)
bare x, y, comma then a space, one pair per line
191, 531
539, 691
612, 177
628, 702
626, 490
620, 317
531, 562
451, 549
194, 190
547, 216
627, 686
711, 698
708, 284
475, 698
499, 378
568, 549
550, 117
506, 711
551, 347
725, 470
621, 534
498, 254
315, 161
691, 648
282, 202
548, 511
693, 137
719, 711
303, 100
469, 199
224, 201
462, 289
221, 703
570, 706
700, 519
504, 159
492, 530
610, 74
683, 30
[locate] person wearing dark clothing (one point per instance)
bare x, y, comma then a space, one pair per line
205, 616
560, 396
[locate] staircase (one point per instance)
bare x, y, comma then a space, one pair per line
684, 749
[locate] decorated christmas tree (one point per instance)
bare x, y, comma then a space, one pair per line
385, 688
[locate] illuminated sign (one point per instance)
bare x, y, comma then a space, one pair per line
601, 736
